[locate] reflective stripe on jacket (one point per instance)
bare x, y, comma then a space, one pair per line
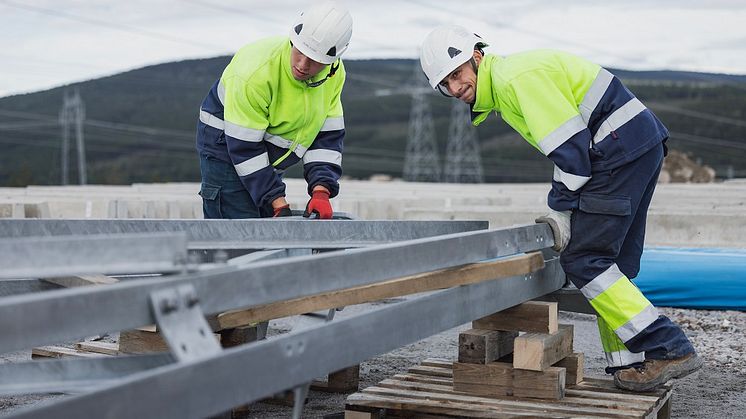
575, 112
260, 119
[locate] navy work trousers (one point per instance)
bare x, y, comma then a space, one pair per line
223, 194
608, 228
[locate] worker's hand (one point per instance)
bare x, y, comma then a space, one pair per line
283, 211
319, 203
281, 208
559, 221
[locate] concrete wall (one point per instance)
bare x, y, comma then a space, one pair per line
697, 215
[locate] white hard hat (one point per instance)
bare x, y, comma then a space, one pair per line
323, 32
446, 48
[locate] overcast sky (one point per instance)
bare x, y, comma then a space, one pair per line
47, 43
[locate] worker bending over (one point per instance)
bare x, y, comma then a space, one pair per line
607, 149
277, 103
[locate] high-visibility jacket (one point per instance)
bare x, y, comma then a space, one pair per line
260, 119
575, 112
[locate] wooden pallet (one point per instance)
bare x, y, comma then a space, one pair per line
426, 391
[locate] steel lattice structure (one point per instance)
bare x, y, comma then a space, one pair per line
463, 163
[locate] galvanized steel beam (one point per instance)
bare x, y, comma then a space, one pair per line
63, 315
252, 233
209, 386
41, 257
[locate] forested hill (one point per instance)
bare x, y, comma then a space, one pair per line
140, 124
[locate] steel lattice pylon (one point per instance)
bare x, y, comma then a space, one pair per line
421, 162
463, 163
71, 118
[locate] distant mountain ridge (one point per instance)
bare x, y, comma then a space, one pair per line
141, 123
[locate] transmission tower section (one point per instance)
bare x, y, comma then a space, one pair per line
72, 117
421, 162
463, 163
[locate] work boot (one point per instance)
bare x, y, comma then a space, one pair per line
655, 372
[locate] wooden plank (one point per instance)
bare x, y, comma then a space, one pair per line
423, 379
145, 340
445, 278
420, 408
343, 381
480, 346
81, 281
501, 404
547, 384
499, 374
61, 352
237, 336
138, 341
106, 348
636, 407
501, 379
431, 371
538, 351
574, 365
531, 316
437, 362
351, 414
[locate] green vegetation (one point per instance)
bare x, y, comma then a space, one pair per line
140, 124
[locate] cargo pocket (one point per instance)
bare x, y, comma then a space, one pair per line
600, 224
210, 201
605, 204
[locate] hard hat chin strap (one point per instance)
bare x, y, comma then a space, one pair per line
332, 70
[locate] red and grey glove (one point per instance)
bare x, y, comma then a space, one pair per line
319, 203
283, 211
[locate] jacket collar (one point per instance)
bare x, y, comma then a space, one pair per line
486, 99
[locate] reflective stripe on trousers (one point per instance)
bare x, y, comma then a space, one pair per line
617, 355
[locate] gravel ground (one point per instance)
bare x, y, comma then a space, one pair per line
718, 390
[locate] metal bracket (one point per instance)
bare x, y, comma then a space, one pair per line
308, 319
182, 323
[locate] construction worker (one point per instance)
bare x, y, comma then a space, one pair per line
276, 103
607, 149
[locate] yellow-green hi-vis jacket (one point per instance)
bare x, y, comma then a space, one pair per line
260, 119
575, 112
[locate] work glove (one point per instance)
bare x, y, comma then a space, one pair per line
283, 211
559, 221
319, 203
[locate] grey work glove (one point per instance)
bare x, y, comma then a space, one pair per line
559, 221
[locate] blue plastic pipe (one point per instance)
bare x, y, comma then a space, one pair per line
694, 278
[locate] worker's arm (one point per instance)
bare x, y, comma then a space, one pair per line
245, 123
559, 131
322, 163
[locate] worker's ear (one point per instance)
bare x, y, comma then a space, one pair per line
477, 57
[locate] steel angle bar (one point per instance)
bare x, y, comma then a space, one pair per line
40, 257
73, 375
22, 286
251, 234
62, 315
210, 386
267, 255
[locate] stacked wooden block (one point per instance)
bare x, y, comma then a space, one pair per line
495, 361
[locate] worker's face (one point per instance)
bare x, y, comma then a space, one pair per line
462, 82
303, 68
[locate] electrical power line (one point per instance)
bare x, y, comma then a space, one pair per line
700, 115
109, 24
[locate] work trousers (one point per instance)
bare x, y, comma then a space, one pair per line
603, 255
223, 194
